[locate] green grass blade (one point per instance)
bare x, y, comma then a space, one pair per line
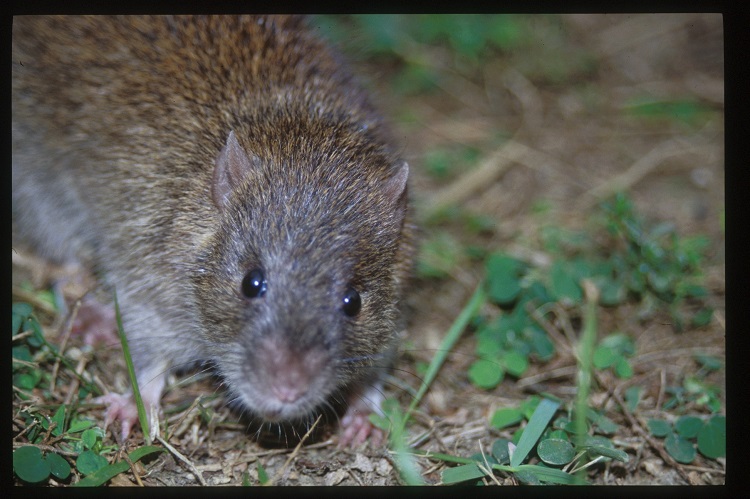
453, 334
462, 473
585, 356
142, 416
549, 475
537, 424
404, 457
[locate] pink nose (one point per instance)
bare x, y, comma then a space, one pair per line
288, 394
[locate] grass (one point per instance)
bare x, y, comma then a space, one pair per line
517, 338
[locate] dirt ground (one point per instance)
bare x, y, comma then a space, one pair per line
566, 146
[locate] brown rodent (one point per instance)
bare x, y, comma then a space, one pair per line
232, 182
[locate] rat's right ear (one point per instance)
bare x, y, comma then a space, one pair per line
232, 166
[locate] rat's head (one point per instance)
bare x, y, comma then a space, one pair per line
299, 288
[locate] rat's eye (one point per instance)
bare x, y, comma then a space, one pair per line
254, 284
351, 302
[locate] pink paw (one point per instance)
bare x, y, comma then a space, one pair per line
119, 407
357, 428
122, 407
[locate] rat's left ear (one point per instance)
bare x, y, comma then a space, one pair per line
395, 187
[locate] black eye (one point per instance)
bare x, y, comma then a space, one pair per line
351, 302
254, 284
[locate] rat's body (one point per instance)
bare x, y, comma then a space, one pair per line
232, 183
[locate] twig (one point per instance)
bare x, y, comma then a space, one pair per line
637, 171
73, 387
560, 372
676, 352
182, 458
46, 448
132, 468
486, 174
294, 453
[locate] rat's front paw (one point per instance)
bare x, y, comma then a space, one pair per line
122, 407
357, 428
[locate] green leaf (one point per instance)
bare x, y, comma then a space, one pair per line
604, 424
659, 427
712, 438
528, 477
27, 381
702, 317
59, 420
529, 405
486, 374
262, 474
555, 451
541, 344
58, 465
29, 465
600, 446
515, 363
380, 421
488, 345
503, 278
563, 284
461, 473
89, 462
680, 449
623, 369
500, 450
106, 473
545, 474
604, 357
558, 434
78, 425
688, 426
22, 352
620, 343
20, 311
506, 417
246, 479
633, 397
90, 437
537, 424
611, 292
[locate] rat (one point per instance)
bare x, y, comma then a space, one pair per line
234, 184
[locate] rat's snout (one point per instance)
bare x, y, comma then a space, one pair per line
289, 374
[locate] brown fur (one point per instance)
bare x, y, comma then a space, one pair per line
117, 127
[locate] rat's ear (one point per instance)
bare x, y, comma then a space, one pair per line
232, 166
395, 187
